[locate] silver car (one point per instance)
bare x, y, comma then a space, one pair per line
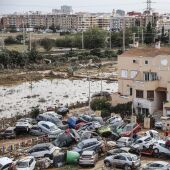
157, 165
123, 160
88, 158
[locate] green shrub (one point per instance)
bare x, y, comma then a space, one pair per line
35, 112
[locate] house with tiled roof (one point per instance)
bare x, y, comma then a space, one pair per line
144, 74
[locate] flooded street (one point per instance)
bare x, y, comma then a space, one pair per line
21, 98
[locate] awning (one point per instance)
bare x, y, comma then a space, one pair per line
161, 89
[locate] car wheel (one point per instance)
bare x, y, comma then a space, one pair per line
156, 152
107, 164
126, 167
47, 155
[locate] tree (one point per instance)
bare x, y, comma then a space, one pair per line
94, 38
149, 34
47, 44
34, 56
10, 40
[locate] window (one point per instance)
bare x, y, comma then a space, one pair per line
131, 91
146, 62
124, 73
133, 74
134, 61
150, 76
139, 93
150, 95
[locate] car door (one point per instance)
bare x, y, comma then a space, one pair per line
35, 152
32, 164
122, 160
6, 167
116, 161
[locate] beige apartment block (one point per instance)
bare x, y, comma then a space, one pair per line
144, 74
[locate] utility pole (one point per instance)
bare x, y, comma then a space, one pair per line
134, 38
169, 36
124, 27
110, 39
142, 37
23, 35
82, 39
30, 41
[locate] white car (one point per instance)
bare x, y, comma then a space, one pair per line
160, 147
124, 141
5, 163
159, 124
23, 126
26, 163
53, 114
44, 150
114, 119
49, 128
143, 142
157, 165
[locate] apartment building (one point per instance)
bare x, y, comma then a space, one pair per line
144, 75
64, 21
164, 21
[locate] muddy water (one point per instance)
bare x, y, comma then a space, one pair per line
21, 98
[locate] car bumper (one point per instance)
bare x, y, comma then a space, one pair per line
86, 162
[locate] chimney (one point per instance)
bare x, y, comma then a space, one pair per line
158, 45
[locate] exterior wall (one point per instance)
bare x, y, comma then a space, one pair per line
159, 64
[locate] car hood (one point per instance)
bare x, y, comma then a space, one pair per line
76, 149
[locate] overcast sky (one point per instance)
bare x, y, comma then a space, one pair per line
10, 6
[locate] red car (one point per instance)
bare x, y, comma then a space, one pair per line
130, 129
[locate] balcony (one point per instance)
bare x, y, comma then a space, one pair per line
146, 85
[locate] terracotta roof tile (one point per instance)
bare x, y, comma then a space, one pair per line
146, 52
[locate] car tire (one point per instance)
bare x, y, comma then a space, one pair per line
156, 152
126, 167
107, 164
47, 155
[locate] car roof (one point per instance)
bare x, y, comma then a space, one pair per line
160, 162
47, 123
89, 140
87, 152
127, 154
42, 145
125, 138
25, 159
10, 128
5, 160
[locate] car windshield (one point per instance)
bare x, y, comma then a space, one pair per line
80, 145
22, 164
134, 158
53, 128
127, 128
8, 131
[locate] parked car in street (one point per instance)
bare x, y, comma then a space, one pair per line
114, 119
26, 163
5, 163
9, 133
160, 147
159, 125
123, 160
23, 126
43, 150
53, 114
67, 138
123, 150
143, 142
63, 111
130, 129
50, 129
157, 165
36, 131
88, 158
89, 144
54, 120
124, 141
